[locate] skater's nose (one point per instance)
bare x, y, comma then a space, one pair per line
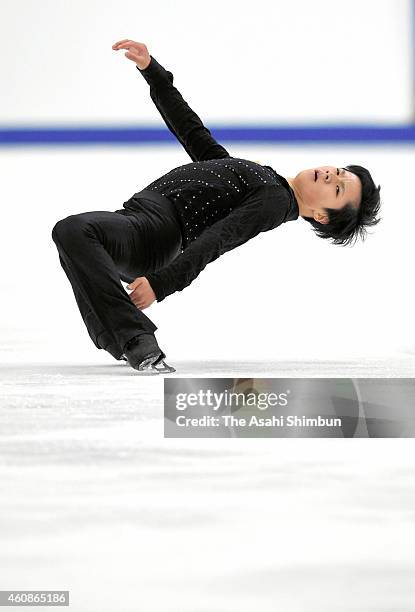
330, 175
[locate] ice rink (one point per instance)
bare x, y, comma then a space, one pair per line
96, 501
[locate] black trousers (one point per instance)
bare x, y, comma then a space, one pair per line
98, 249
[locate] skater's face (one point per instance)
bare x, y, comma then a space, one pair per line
325, 187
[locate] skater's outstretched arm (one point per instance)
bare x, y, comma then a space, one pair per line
239, 226
181, 120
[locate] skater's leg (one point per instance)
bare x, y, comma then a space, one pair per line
102, 338
94, 246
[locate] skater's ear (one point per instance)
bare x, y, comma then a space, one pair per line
321, 217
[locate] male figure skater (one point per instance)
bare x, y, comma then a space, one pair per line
166, 234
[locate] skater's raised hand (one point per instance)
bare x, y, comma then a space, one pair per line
142, 295
136, 52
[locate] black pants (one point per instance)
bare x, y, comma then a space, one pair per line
97, 249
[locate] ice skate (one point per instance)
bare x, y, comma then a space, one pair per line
151, 367
144, 355
163, 368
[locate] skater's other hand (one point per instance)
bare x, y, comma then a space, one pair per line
136, 52
142, 295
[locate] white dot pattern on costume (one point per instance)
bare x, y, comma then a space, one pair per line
207, 191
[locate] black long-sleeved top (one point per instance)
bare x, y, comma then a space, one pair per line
222, 201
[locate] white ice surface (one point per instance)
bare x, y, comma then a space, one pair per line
96, 501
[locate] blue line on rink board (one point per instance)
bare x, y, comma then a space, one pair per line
356, 134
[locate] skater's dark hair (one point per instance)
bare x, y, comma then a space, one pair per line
348, 224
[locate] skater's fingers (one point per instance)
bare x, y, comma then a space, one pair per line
132, 56
129, 44
125, 44
135, 283
139, 300
120, 42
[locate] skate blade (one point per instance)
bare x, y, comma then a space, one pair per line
155, 365
153, 369
148, 371
163, 368
147, 367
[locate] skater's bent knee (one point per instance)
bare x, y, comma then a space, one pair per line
68, 228
55, 230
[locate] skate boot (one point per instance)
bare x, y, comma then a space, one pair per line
144, 355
